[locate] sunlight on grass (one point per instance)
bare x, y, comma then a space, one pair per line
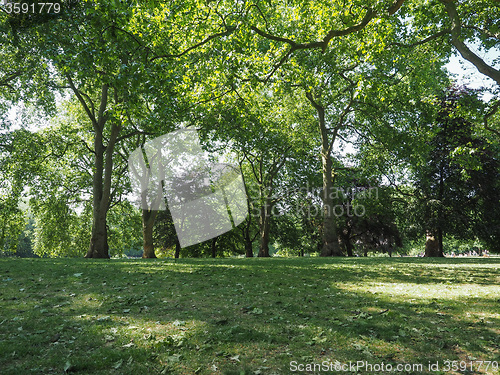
426, 291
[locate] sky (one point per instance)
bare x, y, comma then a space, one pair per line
467, 74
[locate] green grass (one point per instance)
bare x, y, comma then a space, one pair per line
247, 316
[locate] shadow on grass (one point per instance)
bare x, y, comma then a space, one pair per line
244, 315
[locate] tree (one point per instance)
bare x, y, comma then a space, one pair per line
364, 212
106, 66
347, 86
460, 173
15, 158
140, 71
267, 134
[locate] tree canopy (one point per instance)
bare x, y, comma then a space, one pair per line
307, 98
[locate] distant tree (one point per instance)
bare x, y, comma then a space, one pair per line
25, 241
459, 177
364, 214
164, 236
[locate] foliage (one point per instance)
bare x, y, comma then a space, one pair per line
460, 173
281, 85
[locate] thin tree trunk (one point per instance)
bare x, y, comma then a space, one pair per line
348, 243
214, 247
148, 220
265, 227
440, 241
248, 244
248, 224
177, 249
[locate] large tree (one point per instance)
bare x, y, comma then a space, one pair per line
114, 76
354, 78
459, 176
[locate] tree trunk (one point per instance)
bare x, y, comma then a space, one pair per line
101, 183
348, 246
440, 242
330, 241
346, 237
148, 220
177, 249
248, 245
248, 224
432, 248
265, 227
331, 245
213, 247
99, 247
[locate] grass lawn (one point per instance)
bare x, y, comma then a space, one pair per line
250, 316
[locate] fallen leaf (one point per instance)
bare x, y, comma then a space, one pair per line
68, 367
256, 311
118, 364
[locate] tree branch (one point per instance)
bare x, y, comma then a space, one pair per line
82, 101
423, 41
395, 7
204, 41
370, 14
101, 117
131, 134
482, 31
4, 81
323, 44
108, 167
464, 51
